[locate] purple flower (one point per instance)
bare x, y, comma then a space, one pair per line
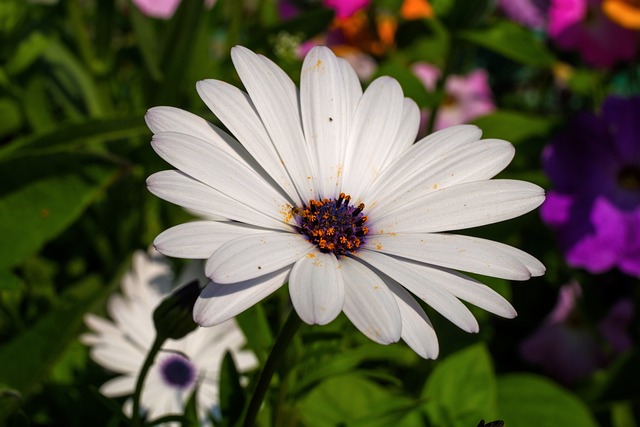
346, 8
581, 25
594, 204
530, 13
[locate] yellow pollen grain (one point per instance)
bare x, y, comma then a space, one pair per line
311, 256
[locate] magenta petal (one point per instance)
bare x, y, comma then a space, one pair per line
556, 209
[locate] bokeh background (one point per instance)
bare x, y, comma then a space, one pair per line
560, 79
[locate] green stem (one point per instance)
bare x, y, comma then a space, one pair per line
287, 332
157, 344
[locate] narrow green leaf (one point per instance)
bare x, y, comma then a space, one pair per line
147, 42
73, 134
41, 196
527, 400
11, 116
462, 388
232, 397
511, 40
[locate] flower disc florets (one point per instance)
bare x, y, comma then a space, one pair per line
333, 225
178, 372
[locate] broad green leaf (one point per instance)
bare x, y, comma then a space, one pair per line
321, 363
511, 40
353, 400
9, 281
41, 196
27, 360
255, 326
461, 390
526, 400
514, 126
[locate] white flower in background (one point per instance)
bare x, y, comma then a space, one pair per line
325, 188
121, 345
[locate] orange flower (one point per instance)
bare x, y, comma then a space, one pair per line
625, 13
416, 9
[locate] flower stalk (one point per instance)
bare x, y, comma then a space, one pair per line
285, 336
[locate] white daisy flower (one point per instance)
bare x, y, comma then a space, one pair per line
325, 188
121, 345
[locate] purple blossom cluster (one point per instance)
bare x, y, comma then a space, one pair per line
594, 204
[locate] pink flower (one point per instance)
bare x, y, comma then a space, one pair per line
466, 97
346, 8
581, 25
163, 9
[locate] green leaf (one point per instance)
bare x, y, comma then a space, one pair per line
461, 390
41, 196
511, 40
9, 281
28, 50
232, 397
28, 359
353, 400
147, 42
70, 135
255, 326
514, 126
527, 400
11, 116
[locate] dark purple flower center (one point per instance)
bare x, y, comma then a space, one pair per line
333, 225
177, 371
629, 177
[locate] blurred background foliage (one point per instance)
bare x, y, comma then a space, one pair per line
76, 77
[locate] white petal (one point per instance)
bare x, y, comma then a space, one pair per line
255, 255
353, 91
234, 108
175, 120
326, 116
176, 187
316, 288
424, 152
424, 288
119, 386
464, 253
470, 290
462, 206
417, 330
478, 161
220, 302
372, 135
407, 133
200, 239
369, 303
221, 171
275, 98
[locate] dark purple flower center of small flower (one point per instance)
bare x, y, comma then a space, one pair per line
629, 177
333, 225
177, 371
